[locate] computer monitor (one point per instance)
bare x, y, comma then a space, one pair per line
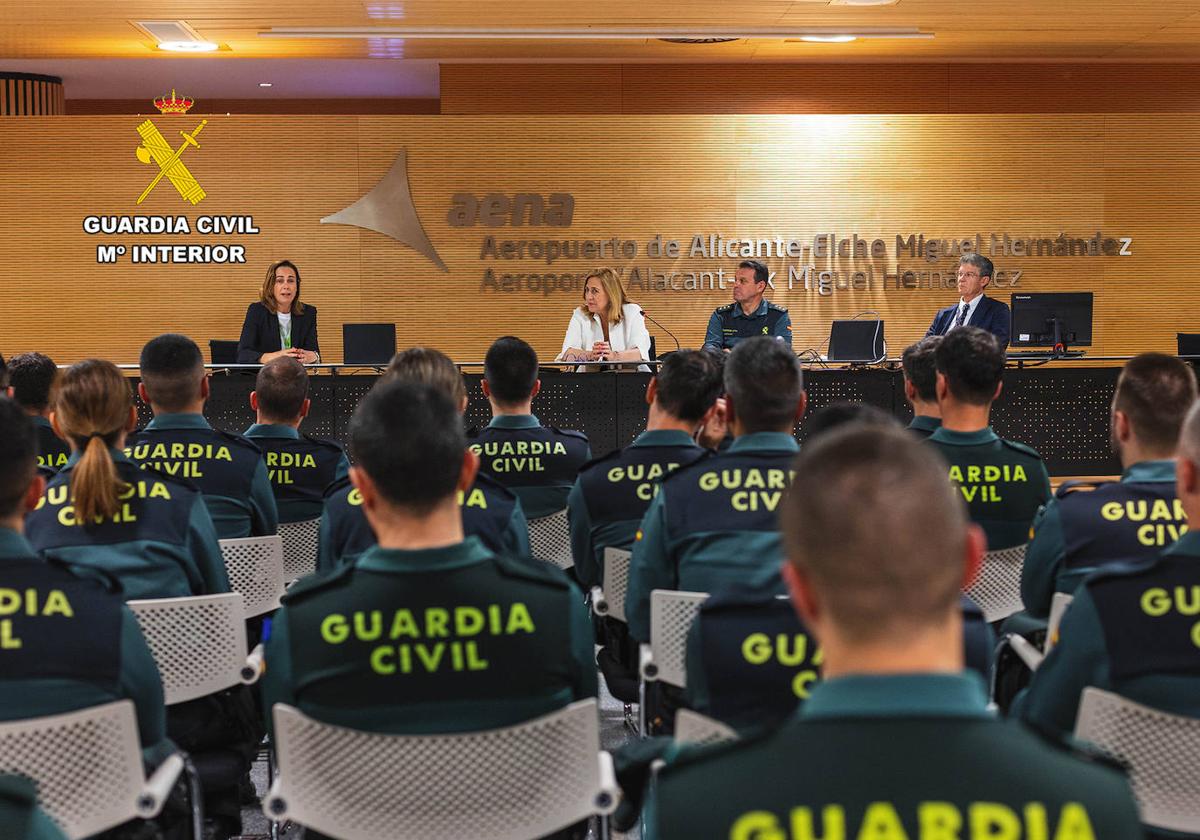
1051, 319
1187, 344
223, 352
856, 341
368, 344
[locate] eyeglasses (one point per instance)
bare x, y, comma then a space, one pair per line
968, 274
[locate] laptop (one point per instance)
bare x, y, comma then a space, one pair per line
856, 341
371, 345
223, 352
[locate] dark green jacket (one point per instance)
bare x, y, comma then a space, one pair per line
1003, 482
161, 544
909, 756
81, 647
538, 463
712, 524
53, 451
440, 640
20, 817
300, 468
924, 426
226, 468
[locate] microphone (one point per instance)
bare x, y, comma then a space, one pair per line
642, 312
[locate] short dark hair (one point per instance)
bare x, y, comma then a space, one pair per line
973, 364
980, 262
511, 369
172, 367
840, 413
920, 368
764, 382
1155, 392
875, 527
3, 372
761, 275
18, 455
688, 383
282, 388
408, 437
32, 376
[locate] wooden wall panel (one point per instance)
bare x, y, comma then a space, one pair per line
736, 176
531, 88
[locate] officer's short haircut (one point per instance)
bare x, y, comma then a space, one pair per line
1189, 435
764, 381
3, 373
18, 456
761, 275
172, 368
511, 369
838, 414
1155, 392
688, 383
282, 388
408, 437
972, 362
430, 367
981, 264
32, 376
878, 531
920, 368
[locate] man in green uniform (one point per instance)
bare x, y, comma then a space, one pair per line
426, 632
1131, 519
227, 468
715, 522
920, 385
896, 741
1003, 482
538, 463
30, 379
750, 314
300, 467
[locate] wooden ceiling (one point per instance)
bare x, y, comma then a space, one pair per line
1001, 30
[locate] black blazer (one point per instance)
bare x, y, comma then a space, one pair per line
260, 333
991, 315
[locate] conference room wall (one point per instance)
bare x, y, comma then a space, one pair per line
738, 176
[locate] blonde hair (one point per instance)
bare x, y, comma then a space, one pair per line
428, 367
92, 407
267, 295
611, 281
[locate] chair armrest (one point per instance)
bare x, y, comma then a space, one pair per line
646, 666
1030, 655
599, 602
609, 795
253, 668
158, 787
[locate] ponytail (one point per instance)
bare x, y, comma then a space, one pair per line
95, 484
92, 406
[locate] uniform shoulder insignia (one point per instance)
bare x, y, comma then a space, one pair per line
536, 571
1068, 487
776, 307
324, 442
337, 486
569, 433
1023, 448
315, 583
726, 308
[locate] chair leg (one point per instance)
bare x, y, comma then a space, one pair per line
642, 708
196, 797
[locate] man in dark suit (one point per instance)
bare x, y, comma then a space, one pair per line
974, 308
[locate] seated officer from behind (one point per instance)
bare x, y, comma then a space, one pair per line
538, 463
895, 741
227, 469
469, 640
1132, 627
30, 380
150, 531
920, 385
749, 314
71, 643
715, 522
300, 467
1131, 519
1003, 482
20, 814
489, 511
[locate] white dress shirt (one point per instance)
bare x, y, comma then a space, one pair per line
971, 307
628, 334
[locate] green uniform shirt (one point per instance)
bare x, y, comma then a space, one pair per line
1004, 483
905, 756
80, 647
300, 468
537, 463
712, 524
438, 640
20, 817
227, 469
924, 426
1079, 532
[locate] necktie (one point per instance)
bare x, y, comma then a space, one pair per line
962, 315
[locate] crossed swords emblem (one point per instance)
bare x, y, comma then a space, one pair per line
155, 148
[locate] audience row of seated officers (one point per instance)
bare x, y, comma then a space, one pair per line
860, 698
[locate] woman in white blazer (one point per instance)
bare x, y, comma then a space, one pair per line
607, 327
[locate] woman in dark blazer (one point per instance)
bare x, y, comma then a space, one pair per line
278, 324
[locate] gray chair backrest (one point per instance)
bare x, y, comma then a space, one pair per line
671, 617
1161, 750
255, 568
513, 783
550, 539
997, 590
701, 730
616, 581
300, 543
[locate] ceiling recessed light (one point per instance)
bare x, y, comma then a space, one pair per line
264, 84
828, 39
187, 46
863, 2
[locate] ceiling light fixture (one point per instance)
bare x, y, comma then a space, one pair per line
828, 39
264, 84
588, 33
174, 36
187, 46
